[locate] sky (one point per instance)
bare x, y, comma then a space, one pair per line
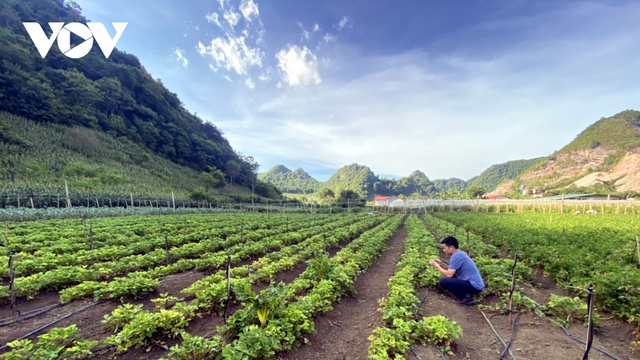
446, 87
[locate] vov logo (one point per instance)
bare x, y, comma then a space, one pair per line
62, 32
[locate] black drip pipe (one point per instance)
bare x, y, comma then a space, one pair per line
24, 317
51, 323
584, 343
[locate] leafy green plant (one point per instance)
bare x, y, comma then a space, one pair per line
565, 309
265, 305
121, 316
196, 347
438, 330
59, 343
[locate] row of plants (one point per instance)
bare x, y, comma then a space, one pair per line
275, 320
193, 255
212, 289
134, 326
69, 236
574, 250
400, 313
128, 241
139, 283
325, 281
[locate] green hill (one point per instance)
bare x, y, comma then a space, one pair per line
495, 174
358, 178
450, 184
596, 150
36, 159
292, 182
115, 97
621, 131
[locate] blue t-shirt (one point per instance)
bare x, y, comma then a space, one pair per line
466, 269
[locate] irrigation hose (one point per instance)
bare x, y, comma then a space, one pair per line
179, 277
97, 350
419, 358
424, 298
46, 309
415, 354
497, 335
29, 312
584, 343
51, 323
513, 327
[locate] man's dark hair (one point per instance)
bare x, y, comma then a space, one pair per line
450, 241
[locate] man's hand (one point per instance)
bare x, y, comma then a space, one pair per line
435, 262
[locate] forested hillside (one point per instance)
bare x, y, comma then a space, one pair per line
114, 96
495, 174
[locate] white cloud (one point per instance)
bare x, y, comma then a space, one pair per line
249, 10
299, 65
238, 49
180, 57
232, 53
213, 18
327, 38
306, 34
264, 77
232, 17
250, 84
343, 22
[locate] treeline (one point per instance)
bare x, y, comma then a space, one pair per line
116, 95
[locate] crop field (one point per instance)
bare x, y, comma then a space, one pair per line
316, 286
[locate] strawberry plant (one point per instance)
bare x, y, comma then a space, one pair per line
59, 343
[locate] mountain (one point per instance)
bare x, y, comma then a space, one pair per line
292, 182
604, 158
115, 96
449, 184
358, 178
496, 174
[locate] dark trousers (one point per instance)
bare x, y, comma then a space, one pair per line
459, 288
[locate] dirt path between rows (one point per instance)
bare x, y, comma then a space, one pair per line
342, 333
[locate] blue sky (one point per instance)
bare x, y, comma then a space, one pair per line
447, 87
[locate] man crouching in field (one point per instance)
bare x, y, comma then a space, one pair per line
462, 277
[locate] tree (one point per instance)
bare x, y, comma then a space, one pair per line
348, 196
475, 192
212, 180
232, 170
327, 197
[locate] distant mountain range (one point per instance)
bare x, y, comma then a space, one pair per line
604, 158
364, 181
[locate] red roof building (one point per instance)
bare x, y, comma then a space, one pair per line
496, 197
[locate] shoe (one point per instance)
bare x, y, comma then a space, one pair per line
465, 302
